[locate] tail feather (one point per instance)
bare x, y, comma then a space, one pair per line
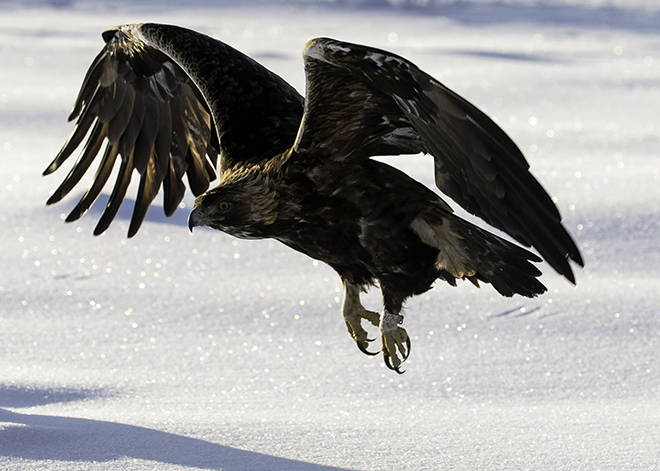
506, 266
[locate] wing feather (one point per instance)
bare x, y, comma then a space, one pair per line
129, 137
119, 121
111, 101
172, 103
148, 133
147, 191
76, 137
100, 178
172, 190
117, 196
98, 76
361, 100
256, 113
88, 154
163, 142
179, 141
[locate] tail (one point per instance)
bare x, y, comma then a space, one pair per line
501, 263
468, 252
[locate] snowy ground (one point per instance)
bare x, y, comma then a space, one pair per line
179, 351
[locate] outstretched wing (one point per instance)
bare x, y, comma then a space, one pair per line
167, 101
362, 101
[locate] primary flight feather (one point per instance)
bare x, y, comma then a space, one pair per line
166, 102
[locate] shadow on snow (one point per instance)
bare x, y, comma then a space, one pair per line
43, 437
29, 396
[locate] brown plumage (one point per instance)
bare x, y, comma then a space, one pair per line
169, 102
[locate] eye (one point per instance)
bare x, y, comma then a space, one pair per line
224, 206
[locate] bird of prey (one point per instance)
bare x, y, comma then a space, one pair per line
167, 102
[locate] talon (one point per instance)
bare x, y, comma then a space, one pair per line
386, 359
353, 313
395, 345
407, 354
363, 348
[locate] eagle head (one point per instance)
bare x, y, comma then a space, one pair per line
240, 208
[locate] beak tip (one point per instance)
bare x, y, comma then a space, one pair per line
193, 219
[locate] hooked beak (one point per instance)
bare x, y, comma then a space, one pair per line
195, 219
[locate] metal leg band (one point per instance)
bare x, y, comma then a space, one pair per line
392, 318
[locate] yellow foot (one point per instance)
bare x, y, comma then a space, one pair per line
354, 326
395, 341
353, 313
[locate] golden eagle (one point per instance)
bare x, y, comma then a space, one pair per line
167, 102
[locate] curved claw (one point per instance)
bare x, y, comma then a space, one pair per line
405, 357
395, 347
363, 348
386, 359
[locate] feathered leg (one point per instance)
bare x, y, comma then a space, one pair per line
353, 313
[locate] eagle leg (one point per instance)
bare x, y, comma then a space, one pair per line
395, 341
353, 313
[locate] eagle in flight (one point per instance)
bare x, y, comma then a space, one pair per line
168, 102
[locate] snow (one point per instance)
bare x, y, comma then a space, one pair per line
177, 351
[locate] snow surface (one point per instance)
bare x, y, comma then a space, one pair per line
178, 351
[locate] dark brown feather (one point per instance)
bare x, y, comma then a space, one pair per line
75, 138
100, 178
149, 184
117, 196
148, 133
477, 164
88, 154
144, 86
